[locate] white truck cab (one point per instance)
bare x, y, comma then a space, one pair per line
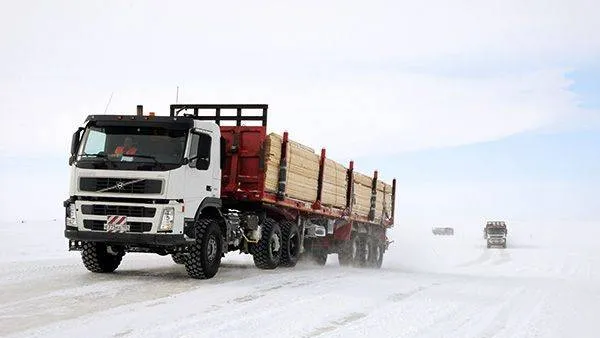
171, 167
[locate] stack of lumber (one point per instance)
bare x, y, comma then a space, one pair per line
303, 175
383, 205
335, 183
272, 158
302, 170
362, 194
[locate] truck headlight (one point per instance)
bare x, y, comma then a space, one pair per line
168, 220
71, 217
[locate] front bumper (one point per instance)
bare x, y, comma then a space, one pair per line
136, 239
496, 241
144, 217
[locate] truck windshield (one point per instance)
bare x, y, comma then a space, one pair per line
495, 231
129, 147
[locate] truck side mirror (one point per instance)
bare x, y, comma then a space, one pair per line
75, 144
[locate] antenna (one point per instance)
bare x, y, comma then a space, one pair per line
108, 103
177, 95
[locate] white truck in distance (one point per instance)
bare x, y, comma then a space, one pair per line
495, 234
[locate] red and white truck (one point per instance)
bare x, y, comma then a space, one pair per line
207, 180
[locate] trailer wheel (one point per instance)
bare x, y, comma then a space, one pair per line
97, 258
178, 258
267, 252
205, 254
349, 251
380, 259
375, 258
290, 249
362, 258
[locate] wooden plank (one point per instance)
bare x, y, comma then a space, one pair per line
363, 179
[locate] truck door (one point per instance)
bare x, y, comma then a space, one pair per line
201, 178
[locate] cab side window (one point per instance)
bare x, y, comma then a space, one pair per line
200, 151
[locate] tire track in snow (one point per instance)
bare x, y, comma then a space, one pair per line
261, 286
496, 317
373, 315
398, 297
344, 320
405, 314
506, 316
515, 313
504, 257
485, 256
268, 308
71, 291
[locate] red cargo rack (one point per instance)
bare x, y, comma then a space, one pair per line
243, 171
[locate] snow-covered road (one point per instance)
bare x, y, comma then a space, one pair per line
546, 284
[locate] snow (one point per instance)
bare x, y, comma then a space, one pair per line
545, 284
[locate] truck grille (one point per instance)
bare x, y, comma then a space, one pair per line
122, 210
120, 185
98, 225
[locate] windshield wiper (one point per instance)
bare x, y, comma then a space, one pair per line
146, 156
102, 156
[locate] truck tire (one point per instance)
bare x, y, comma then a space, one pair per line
205, 254
290, 248
267, 252
375, 258
349, 251
380, 251
362, 257
178, 258
96, 258
379, 262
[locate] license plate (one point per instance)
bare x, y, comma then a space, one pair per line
115, 223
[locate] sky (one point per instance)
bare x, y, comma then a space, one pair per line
477, 108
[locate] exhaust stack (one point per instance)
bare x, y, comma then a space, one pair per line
140, 110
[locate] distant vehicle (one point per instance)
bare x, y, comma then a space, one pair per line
447, 231
495, 233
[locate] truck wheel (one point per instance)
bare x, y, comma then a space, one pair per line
349, 251
97, 258
362, 259
379, 261
290, 249
267, 252
178, 258
375, 258
205, 254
